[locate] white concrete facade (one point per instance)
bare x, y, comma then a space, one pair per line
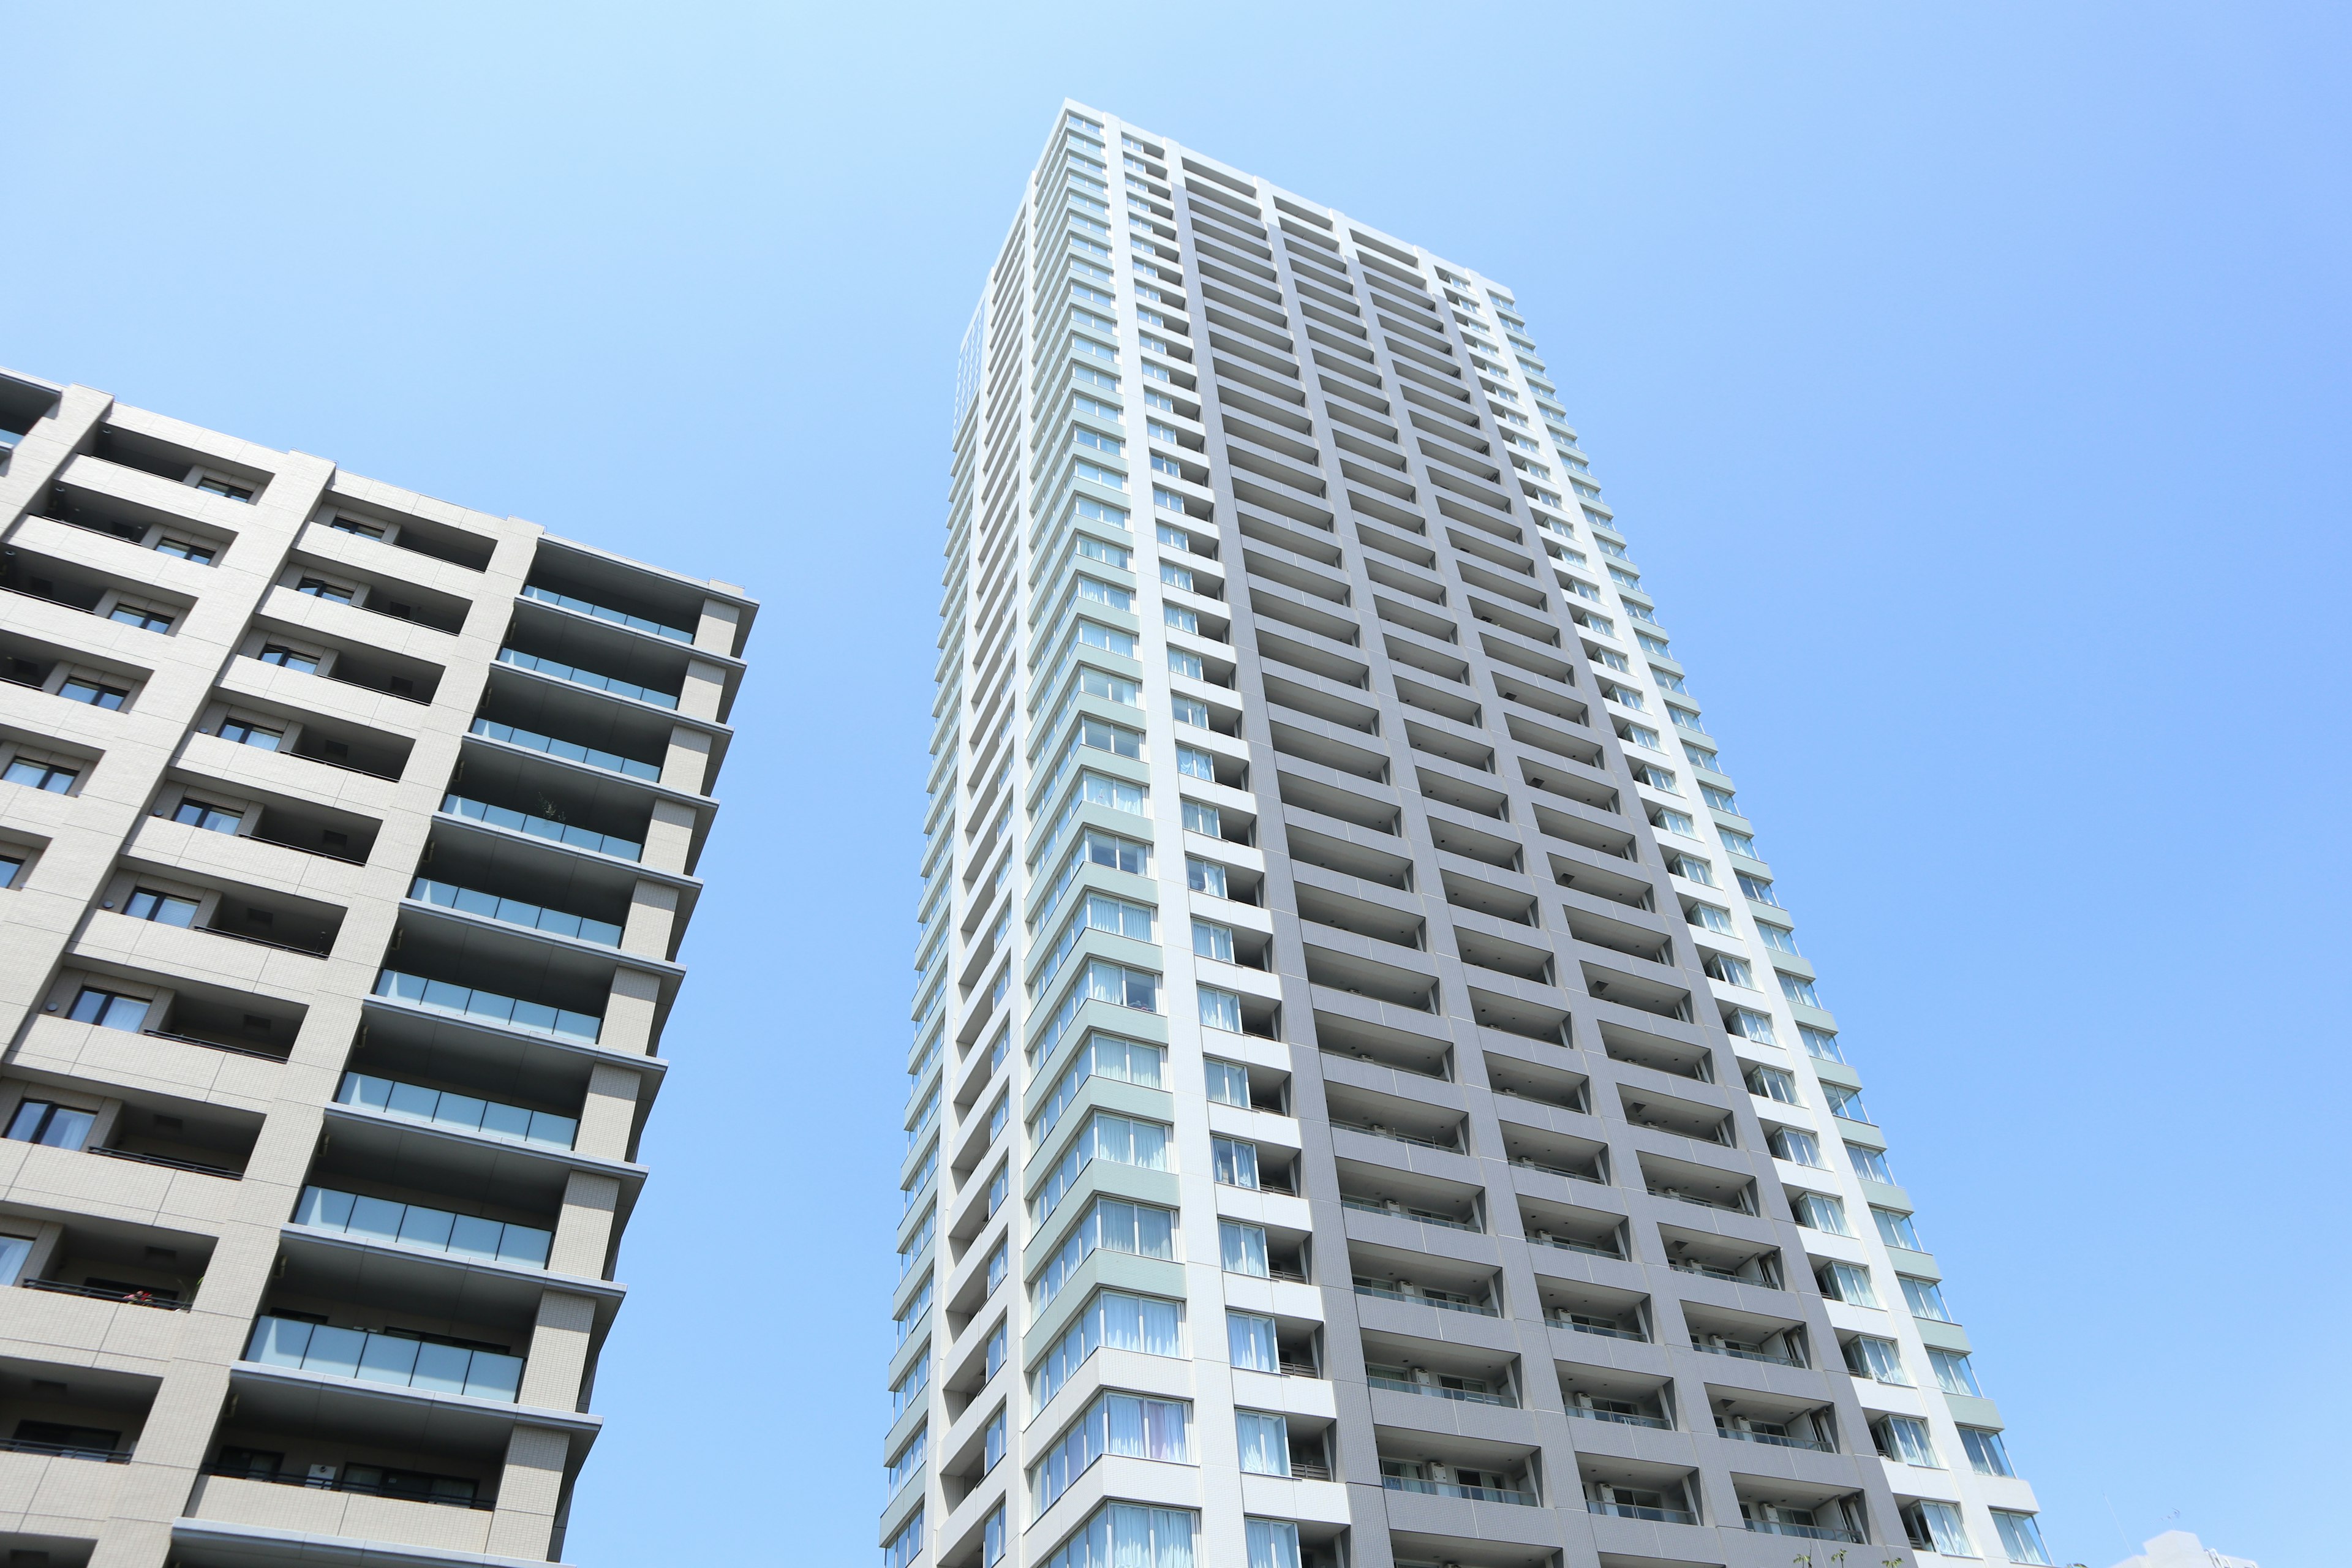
1348, 991
347, 838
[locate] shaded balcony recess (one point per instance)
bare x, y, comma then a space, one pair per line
392, 1359
589, 608
461, 1112
486, 1006
425, 1229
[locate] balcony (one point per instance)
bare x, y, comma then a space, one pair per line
1409, 1195
1589, 1309
515, 911
423, 1229
567, 750
1390, 1206
557, 670
1620, 1412
480, 1006
1405, 1290
458, 1112
58, 1412
1435, 1369
395, 1360
1476, 1492
606, 612
541, 826
1744, 1336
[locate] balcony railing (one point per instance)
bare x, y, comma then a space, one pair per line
1640, 1510
486, 1006
604, 612
1444, 1303
579, 677
413, 1103
1737, 1353
1426, 1216
214, 1045
168, 1162
1776, 1439
1395, 1136
1621, 1417
1583, 1247
132, 1297
1439, 1391
1606, 1331
386, 1359
1454, 1488
542, 827
1526, 1164
569, 750
1692, 1198
64, 1450
425, 1229
1808, 1531
515, 912
406, 1491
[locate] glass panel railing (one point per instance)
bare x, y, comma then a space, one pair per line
386, 1358
428, 1230
604, 612
515, 912
413, 1103
486, 1007
579, 677
569, 750
542, 827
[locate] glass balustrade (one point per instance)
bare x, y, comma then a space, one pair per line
569, 750
579, 677
426, 1229
486, 1007
514, 912
386, 1358
541, 827
606, 612
413, 1103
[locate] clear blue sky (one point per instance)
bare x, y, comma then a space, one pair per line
1966, 375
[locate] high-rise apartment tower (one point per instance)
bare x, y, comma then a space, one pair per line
1368, 1106
347, 837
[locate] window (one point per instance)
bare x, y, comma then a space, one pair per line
1846, 1104
163, 909
1772, 1083
1169, 533
1128, 1535
1987, 1456
1691, 869
1674, 822
1953, 1373
1095, 406
245, 733
1221, 1009
1192, 711
909, 1460
2020, 1537
1103, 1056
1819, 1211
1925, 1298
109, 1010
58, 1126
214, 484
908, 1544
1849, 1283
1821, 1043
1097, 511
320, 589
1242, 1248
1114, 1224
1204, 819
76, 689
287, 658
1093, 682
1180, 619
1731, 971
1640, 736
1749, 1025
1117, 1140
1250, 1343
1711, 918
1120, 1424
1799, 990
1876, 1359
1195, 763
1110, 639
1936, 1527
9, 865
1721, 799
1185, 664
1780, 937
1082, 436
1211, 940
1234, 1162
1095, 590
1111, 477
146, 620
34, 774
1904, 1439
1758, 888
1095, 911
993, 1535
1895, 1229
1869, 1163
1121, 1321
1264, 1447
1656, 778
1204, 877
1228, 1082
202, 555
1739, 843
